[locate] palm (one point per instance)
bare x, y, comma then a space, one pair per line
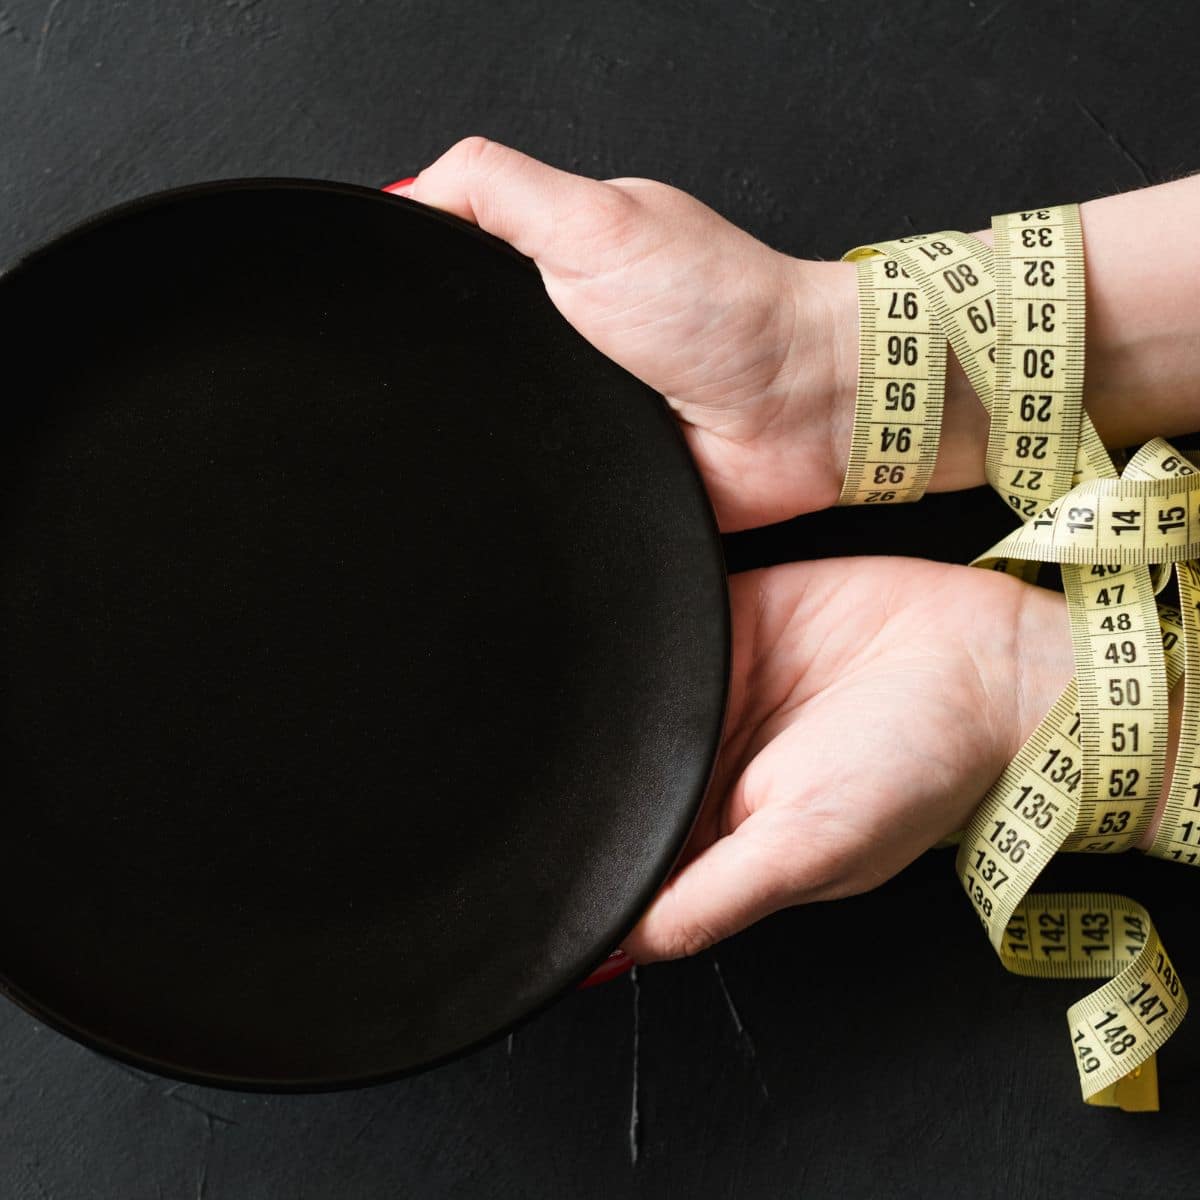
872, 706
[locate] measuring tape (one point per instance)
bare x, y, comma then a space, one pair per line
1089, 777
901, 389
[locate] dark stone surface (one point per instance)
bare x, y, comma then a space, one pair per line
872, 1047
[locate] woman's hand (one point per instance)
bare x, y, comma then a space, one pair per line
738, 337
757, 352
874, 702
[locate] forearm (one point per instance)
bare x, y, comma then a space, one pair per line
1142, 374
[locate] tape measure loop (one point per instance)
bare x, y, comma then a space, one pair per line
1090, 775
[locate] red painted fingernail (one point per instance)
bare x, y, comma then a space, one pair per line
617, 963
400, 184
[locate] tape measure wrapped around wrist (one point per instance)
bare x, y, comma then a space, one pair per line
1089, 777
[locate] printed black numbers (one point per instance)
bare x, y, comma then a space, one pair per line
1052, 932
1117, 1037
1061, 768
1149, 1004
902, 349
981, 901
1114, 822
933, 250
1096, 939
959, 278
1036, 407
1088, 1062
1039, 272
1031, 239
989, 870
1126, 521
1040, 316
1162, 968
900, 394
1171, 518
1176, 466
1034, 806
1121, 652
1079, 519
1007, 840
1035, 362
982, 316
1125, 737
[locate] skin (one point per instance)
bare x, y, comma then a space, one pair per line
942, 670
832, 657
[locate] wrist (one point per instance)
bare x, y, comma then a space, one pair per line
826, 338
827, 308
1045, 663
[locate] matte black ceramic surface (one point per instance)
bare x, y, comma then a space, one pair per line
363, 637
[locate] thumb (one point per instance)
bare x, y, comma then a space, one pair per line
730, 885
519, 199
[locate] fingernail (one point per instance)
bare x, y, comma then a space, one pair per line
401, 185
617, 963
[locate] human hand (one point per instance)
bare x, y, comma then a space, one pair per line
738, 337
757, 352
873, 703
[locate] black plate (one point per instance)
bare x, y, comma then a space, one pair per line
363, 637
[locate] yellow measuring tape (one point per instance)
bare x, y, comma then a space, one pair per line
1089, 777
901, 389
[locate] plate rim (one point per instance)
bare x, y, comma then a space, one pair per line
120, 1053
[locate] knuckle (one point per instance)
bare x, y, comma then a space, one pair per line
610, 214
657, 193
475, 151
672, 207
650, 191
683, 935
688, 940
692, 939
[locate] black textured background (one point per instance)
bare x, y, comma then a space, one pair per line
868, 1048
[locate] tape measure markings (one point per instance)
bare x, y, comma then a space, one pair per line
1035, 456
1091, 773
900, 392
1121, 678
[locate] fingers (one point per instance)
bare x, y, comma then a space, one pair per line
729, 886
525, 202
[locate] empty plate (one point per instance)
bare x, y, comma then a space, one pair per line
363, 637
